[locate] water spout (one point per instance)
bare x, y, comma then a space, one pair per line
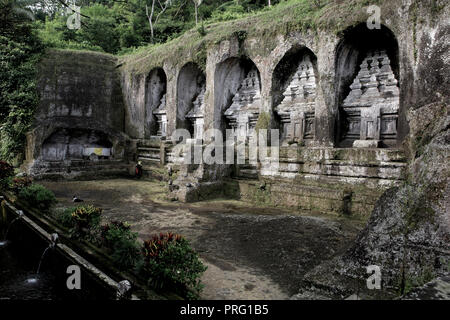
5, 242
123, 289
53, 240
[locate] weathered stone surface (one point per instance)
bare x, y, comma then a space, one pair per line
373, 102
80, 118
297, 108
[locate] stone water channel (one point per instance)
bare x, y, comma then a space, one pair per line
251, 252
34, 264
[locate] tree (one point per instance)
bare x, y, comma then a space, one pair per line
162, 7
197, 4
19, 54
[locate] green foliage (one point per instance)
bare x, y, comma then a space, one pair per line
87, 216
38, 196
122, 243
84, 222
170, 263
64, 217
229, 11
19, 52
113, 26
16, 184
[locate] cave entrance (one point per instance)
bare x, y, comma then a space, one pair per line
77, 144
191, 87
294, 91
368, 97
155, 104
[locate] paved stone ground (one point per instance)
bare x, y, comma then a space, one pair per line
251, 252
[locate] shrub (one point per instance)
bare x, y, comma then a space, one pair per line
86, 220
64, 216
170, 262
122, 243
18, 183
38, 196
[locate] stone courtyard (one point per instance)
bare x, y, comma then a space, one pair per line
251, 252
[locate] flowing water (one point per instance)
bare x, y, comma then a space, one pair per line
15, 273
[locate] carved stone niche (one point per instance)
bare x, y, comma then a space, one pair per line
373, 102
297, 109
161, 118
243, 112
196, 114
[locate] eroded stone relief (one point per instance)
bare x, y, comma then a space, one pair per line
71, 144
196, 114
243, 112
161, 117
373, 102
297, 108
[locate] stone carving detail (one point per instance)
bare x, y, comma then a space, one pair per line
244, 110
161, 117
196, 114
297, 109
373, 102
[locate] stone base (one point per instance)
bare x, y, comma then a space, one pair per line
366, 144
185, 191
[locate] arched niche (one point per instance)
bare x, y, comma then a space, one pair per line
237, 96
155, 103
191, 86
367, 88
76, 144
294, 93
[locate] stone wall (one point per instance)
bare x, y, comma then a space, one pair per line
324, 90
80, 117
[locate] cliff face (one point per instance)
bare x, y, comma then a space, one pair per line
81, 107
408, 233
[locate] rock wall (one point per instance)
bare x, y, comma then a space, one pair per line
80, 116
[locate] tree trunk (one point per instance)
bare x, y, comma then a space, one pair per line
150, 18
196, 13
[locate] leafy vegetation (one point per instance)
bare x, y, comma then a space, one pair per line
171, 263
17, 184
38, 196
115, 26
122, 243
86, 222
20, 50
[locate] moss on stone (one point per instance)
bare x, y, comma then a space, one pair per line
263, 122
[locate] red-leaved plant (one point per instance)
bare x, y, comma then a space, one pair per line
170, 262
157, 244
18, 183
